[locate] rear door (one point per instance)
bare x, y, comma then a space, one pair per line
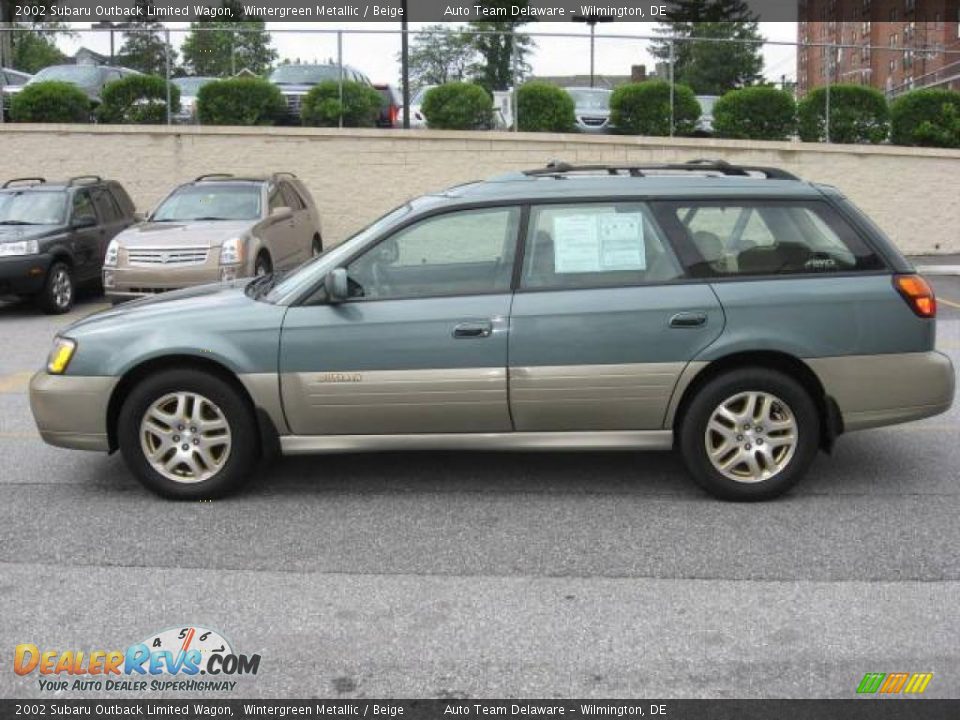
421, 346
112, 219
280, 232
302, 236
603, 322
87, 235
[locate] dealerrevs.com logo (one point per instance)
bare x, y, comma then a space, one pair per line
189, 658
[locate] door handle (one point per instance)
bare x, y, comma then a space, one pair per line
473, 329
688, 320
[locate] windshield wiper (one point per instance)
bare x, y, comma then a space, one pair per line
201, 219
18, 222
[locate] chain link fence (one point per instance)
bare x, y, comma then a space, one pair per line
906, 56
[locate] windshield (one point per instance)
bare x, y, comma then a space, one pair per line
591, 99
76, 74
311, 271
210, 201
190, 86
304, 74
32, 208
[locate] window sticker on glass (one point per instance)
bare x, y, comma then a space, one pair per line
599, 243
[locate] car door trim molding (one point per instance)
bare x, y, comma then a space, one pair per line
604, 440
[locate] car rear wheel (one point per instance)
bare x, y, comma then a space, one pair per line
58, 291
188, 435
750, 434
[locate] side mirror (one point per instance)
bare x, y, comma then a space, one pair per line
84, 221
281, 213
336, 286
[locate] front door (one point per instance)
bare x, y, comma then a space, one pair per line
603, 323
421, 345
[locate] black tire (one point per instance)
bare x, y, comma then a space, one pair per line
59, 290
244, 446
316, 247
693, 430
262, 266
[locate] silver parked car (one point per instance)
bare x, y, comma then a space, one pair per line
189, 88
592, 108
216, 228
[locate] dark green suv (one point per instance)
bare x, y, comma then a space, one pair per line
53, 236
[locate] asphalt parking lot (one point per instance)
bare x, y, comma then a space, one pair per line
490, 575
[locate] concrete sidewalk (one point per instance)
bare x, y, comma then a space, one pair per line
936, 264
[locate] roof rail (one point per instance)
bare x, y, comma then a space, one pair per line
31, 180
201, 178
283, 173
84, 180
556, 168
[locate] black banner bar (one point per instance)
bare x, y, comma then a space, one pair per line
855, 709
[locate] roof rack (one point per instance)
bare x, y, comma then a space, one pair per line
84, 180
556, 168
201, 178
284, 174
31, 180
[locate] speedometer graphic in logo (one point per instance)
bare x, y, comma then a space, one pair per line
184, 639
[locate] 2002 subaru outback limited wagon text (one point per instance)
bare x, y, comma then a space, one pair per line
740, 314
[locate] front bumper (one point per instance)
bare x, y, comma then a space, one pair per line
23, 274
125, 281
71, 411
877, 390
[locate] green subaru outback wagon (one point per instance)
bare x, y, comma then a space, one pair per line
738, 314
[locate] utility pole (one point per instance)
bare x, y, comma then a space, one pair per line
405, 64
592, 19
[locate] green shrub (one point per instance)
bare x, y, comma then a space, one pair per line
322, 107
644, 109
542, 107
458, 106
755, 113
50, 101
858, 114
929, 117
240, 101
137, 99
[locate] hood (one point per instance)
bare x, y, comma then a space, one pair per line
298, 89
592, 112
208, 233
16, 233
226, 296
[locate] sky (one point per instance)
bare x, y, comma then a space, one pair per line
376, 54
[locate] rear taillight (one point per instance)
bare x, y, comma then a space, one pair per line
918, 294
394, 114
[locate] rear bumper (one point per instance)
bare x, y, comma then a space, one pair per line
71, 411
877, 390
23, 274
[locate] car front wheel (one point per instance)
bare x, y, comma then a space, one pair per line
750, 434
56, 297
188, 435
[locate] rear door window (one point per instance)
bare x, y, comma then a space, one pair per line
595, 245
768, 238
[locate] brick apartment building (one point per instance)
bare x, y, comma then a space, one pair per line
925, 31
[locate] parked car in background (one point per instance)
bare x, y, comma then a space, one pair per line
53, 236
738, 314
89, 78
705, 123
216, 228
189, 87
391, 103
295, 81
592, 108
10, 78
417, 118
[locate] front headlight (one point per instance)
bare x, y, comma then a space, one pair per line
232, 251
22, 247
113, 252
60, 355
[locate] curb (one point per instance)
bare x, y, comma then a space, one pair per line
938, 269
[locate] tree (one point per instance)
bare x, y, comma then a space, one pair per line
217, 48
146, 49
24, 50
504, 53
439, 55
712, 67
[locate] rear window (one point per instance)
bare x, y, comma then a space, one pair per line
770, 238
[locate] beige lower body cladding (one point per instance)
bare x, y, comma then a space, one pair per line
356, 175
